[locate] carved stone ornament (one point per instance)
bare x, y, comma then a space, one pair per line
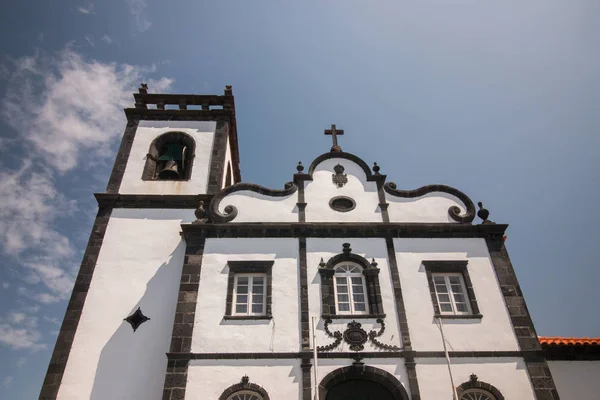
339, 178
136, 319
355, 336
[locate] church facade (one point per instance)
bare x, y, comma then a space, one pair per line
339, 285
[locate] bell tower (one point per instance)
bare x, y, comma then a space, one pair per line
177, 144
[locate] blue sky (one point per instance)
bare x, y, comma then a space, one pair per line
499, 100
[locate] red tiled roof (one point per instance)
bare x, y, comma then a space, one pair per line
568, 341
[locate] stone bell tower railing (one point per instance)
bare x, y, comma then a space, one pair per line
158, 101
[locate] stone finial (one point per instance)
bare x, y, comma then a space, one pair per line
483, 214
373, 264
322, 264
376, 168
473, 378
200, 212
143, 88
346, 248
299, 167
228, 90
245, 380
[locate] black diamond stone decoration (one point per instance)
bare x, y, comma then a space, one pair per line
136, 319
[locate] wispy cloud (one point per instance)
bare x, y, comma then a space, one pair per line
7, 381
89, 39
67, 116
87, 10
106, 39
138, 10
21, 361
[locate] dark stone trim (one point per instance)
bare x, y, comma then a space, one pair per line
304, 317
247, 267
357, 316
383, 204
453, 212
539, 373
217, 158
476, 384
231, 211
370, 272
114, 200
306, 378
358, 371
455, 266
469, 316
348, 156
413, 382
585, 352
185, 315
342, 230
149, 172
333, 200
301, 198
409, 355
116, 176
62, 349
238, 387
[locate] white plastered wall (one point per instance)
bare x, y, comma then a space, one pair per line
208, 379
202, 132
227, 162
369, 249
282, 333
256, 207
321, 190
139, 265
508, 375
493, 331
576, 380
432, 207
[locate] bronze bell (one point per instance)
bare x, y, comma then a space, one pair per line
170, 171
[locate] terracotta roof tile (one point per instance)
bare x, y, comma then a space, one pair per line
568, 341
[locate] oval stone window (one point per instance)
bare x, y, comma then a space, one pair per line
342, 204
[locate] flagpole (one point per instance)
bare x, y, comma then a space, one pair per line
315, 374
441, 325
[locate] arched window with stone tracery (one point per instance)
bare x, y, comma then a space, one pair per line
244, 391
475, 389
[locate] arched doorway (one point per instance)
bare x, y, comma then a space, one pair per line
358, 382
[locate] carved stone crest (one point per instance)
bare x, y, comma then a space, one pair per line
355, 336
339, 178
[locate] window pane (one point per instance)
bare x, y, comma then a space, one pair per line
340, 280
457, 288
462, 307
343, 298
356, 280
257, 308
257, 298
445, 307
359, 298
242, 289
360, 307
344, 307
441, 289
241, 298
459, 298
439, 280
357, 289
342, 289
242, 280
258, 289
258, 280
454, 280
241, 308
444, 298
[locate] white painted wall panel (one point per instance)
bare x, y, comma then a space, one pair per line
139, 265
576, 380
493, 331
203, 133
208, 379
321, 190
368, 248
214, 334
508, 375
227, 162
432, 207
256, 207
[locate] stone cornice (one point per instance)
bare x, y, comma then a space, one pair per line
115, 200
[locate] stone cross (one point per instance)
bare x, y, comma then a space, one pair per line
334, 132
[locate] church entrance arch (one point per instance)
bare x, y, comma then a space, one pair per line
358, 382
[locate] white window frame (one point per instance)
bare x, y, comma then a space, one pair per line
348, 276
250, 294
450, 293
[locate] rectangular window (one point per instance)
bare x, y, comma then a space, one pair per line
250, 294
451, 293
350, 295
